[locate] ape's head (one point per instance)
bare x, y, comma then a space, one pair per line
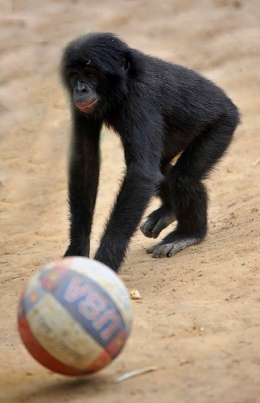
95, 71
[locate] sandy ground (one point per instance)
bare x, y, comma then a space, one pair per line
199, 316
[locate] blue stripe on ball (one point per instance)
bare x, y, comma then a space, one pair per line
88, 304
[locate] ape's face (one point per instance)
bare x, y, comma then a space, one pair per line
84, 81
94, 69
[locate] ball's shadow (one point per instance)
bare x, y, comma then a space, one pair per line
91, 384
42, 387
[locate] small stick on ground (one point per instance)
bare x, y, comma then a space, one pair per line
135, 373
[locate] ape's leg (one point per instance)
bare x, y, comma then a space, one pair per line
164, 215
189, 193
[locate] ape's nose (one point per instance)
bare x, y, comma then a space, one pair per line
81, 87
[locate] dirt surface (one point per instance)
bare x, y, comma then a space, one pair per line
199, 316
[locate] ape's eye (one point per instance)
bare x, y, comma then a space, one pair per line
91, 75
73, 74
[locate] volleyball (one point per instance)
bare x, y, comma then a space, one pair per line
74, 316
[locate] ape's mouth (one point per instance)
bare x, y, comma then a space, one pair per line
86, 106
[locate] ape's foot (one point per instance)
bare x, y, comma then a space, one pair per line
166, 248
157, 221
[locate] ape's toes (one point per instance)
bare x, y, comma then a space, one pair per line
153, 226
146, 229
162, 251
171, 248
151, 249
161, 224
159, 250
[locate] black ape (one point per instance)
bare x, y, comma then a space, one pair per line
158, 109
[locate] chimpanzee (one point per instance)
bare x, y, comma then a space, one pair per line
159, 110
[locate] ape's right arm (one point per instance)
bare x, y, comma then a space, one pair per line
83, 182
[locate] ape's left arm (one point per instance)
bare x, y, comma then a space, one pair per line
139, 185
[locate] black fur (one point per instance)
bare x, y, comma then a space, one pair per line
159, 110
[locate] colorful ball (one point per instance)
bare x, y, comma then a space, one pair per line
74, 316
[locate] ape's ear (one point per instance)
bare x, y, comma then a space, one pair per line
125, 62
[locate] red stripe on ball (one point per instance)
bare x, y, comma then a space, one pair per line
117, 344
40, 354
100, 362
